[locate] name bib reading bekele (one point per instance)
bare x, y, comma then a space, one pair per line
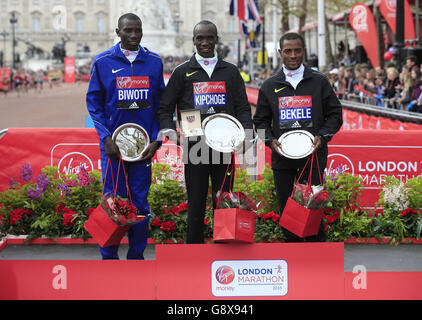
132, 92
295, 111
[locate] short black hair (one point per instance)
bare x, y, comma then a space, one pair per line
205, 22
413, 59
129, 16
291, 36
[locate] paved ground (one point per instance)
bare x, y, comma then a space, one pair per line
59, 107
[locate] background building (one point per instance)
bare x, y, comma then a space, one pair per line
83, 28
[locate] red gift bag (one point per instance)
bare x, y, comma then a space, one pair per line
233, 224
302, 221
101, 226
298, 219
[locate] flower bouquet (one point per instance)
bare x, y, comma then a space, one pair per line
121, 210
314, 197
235, 200
234, 218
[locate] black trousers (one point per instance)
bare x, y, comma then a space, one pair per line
284, 180
197, 177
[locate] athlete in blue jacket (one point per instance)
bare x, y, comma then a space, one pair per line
126, 85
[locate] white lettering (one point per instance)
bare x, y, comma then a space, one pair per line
133, 94
60, 281
388, 166
359, 281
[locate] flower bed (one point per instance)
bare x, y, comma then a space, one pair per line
56, 206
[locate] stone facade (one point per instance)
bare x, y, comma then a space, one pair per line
167, 25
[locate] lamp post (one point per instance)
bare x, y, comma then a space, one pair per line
13, 21
399, 39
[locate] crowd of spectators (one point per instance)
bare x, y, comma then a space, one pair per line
21, 81
384, 87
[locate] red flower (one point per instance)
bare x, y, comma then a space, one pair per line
174, 210
131, 216
89, 211
320, 197
275, 217
407, 211
266, 216
183, 206
206, 221
270, 215
60, 207
168, 226
68, 216
156, 222
330, 219
16, 215
122, 219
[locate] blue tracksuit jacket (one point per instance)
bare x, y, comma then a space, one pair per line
120, 92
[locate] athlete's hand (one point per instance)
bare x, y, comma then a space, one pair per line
317, 143
276, 145
150, 151
111, 149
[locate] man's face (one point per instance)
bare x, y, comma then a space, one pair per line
205, 39
409, 63
130, 34
292, 53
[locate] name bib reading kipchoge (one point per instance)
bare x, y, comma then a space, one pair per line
209, 94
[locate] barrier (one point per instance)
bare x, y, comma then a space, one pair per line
274, 271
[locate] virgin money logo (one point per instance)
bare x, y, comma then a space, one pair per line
360, 18
73, 162
224, 275
338, 162
132, 82
295, 102
391, 5
209, 87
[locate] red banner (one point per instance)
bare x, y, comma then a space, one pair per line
69, 70
67, 149
5, 72
375, 154
362, 21
388, 10
353, 120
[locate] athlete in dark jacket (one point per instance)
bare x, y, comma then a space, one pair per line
212, 85
296, 97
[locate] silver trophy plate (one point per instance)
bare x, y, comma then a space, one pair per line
132, 140
296, 144
223, 132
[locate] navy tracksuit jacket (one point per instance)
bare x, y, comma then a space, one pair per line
120, 92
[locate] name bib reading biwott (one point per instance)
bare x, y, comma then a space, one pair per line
132, 92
